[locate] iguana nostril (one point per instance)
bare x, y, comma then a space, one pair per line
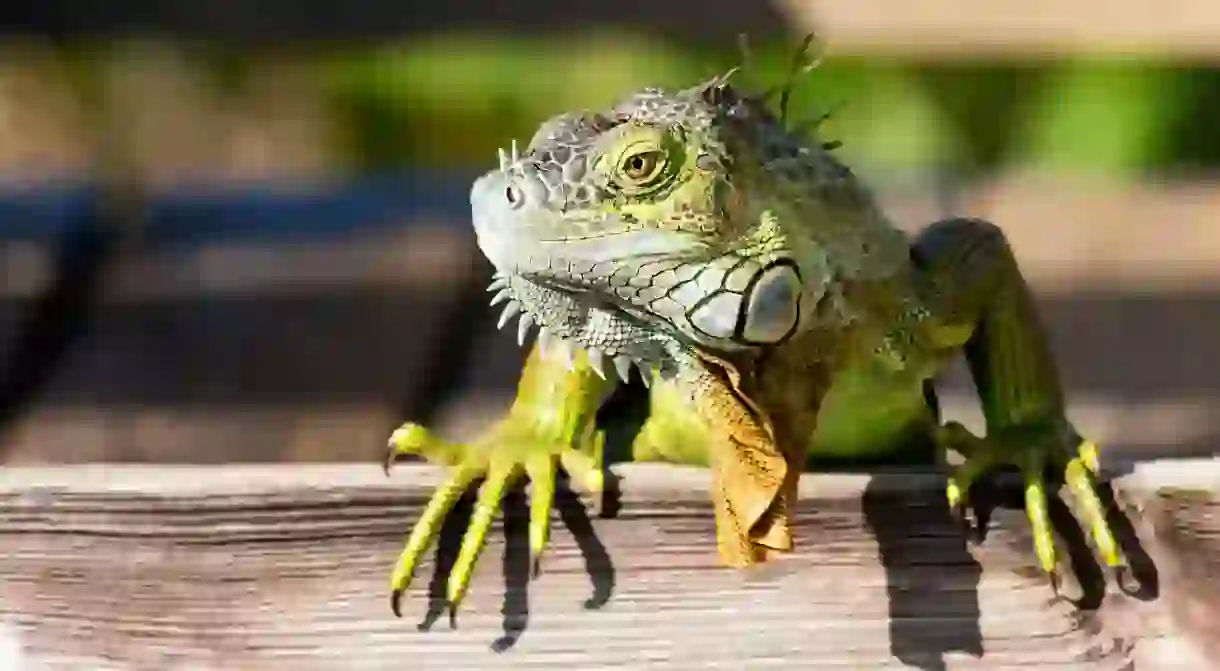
514, 196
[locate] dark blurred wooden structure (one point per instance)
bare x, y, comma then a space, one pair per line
933, 28
281, 21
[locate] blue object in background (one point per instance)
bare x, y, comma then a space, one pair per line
202, 213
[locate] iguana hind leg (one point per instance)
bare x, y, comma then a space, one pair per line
975, 288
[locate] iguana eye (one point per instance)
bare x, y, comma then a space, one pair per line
643, 167
636, 160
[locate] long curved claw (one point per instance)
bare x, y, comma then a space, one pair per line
541, 471
426, 530
488, 504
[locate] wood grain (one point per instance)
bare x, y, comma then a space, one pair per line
285, 567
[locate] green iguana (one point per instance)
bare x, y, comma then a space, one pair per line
776, 313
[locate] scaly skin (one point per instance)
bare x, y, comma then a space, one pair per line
778, 314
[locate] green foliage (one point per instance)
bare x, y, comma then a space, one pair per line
981, 105
1192, 126
449, 100
1103, 116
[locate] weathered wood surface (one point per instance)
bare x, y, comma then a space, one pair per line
285, 567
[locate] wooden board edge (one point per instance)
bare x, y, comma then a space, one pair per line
641, 479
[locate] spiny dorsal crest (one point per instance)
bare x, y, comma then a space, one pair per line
718, 91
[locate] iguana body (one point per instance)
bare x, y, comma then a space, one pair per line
777, 313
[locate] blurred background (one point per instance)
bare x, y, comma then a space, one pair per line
240, 231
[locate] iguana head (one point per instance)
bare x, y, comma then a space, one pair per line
691, 219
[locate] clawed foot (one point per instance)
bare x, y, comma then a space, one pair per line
1032, 451
508, 451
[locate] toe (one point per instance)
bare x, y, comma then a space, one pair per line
426, 529
585, 468
1090, 456
1039, 519
541, 472
979, 459
485, 510
1080, 481
412, 438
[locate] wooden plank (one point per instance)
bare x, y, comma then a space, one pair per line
285, 567
1013, 28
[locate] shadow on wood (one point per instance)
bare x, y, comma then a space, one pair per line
911, 604
517, 564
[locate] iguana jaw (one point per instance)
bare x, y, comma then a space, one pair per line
613, 340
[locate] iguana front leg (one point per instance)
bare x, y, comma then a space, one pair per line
976, 290
551, 423
697, 418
